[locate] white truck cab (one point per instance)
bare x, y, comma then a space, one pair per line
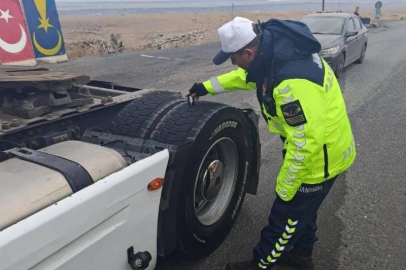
96, 228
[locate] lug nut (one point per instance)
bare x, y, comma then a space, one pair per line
5, 125
15, 123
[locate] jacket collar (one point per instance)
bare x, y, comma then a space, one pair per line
263, 60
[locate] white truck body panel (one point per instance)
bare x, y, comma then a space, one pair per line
93, 228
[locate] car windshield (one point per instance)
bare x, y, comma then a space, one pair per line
324, 25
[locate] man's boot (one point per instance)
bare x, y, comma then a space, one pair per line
298, 258
247, 265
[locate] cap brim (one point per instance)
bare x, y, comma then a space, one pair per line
221, 57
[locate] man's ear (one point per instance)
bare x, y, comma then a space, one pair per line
250, 53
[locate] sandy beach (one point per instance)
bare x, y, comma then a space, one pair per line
88, 35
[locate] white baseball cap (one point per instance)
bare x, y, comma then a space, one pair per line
234, 36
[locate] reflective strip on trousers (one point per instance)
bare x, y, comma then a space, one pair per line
276, 253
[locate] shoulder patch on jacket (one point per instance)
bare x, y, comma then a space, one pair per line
294, 114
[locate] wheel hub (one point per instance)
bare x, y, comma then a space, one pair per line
212, 180
215, 181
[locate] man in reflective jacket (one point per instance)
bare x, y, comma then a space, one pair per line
301, 100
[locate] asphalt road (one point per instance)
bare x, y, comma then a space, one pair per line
362, 224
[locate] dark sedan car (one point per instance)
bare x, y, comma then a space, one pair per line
343, 37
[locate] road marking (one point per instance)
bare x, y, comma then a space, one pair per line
162, 57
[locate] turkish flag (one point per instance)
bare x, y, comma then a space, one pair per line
15, 42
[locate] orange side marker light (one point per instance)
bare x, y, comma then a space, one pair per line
156, 184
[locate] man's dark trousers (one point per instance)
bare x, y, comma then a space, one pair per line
292, 224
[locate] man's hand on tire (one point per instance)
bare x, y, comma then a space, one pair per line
197, 90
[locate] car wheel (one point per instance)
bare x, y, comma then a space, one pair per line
214, 182
340, 65
362, 57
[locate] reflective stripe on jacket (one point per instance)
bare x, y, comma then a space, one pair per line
235, 80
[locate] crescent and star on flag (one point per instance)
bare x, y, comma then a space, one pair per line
41, 6
21, 44
13, 47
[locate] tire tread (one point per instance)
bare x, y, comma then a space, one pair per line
137, 118
183, 122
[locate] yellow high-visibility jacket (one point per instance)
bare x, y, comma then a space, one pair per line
311, 115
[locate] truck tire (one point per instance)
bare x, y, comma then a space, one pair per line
138, 118
214, 183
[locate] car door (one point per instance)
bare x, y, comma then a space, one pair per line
360, 37
350, 42
362, 34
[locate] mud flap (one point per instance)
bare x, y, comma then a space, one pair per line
252, 185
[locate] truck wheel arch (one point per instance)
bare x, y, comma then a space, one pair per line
186, 127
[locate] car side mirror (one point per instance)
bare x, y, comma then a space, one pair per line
351, 34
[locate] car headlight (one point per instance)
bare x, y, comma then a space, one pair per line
329, 51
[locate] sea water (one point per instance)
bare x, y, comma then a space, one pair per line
104, 7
